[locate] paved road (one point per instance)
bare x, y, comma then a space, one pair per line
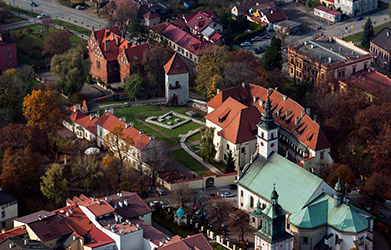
84, 18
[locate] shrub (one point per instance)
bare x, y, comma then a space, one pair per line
89, 79
170, 217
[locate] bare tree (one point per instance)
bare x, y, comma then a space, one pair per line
183, 194
46, 21
157, 160
122, 13
218, 210
239, 222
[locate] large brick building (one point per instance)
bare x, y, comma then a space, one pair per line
326, 59
112, 56
8, 56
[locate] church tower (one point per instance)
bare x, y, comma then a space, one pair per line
272, 234
176, 81
267, 137
338, 197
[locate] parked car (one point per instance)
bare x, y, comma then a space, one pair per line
388, 202
161, 191
367, 207
41, 16
245, 44
233, 186
257, 38
226, 195
33, 4
359, 18
155, 203
211, 195
80, 7
381, 215
357, 189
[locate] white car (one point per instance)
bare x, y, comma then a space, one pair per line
41, 16
245, 44
80, 7
155, 203
227, 195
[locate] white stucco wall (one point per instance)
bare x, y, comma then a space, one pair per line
182, 92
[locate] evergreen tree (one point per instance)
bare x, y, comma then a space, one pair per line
207, 148
230, 165
133, 86
272, 59
369, 33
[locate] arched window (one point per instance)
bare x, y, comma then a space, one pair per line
251, 202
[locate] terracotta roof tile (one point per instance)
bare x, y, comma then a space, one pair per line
223, 115
135, 54
276, 16
15, 232
151, 15
34, 217
176, 66
327, 10
136, 206
197, 241
87, 123
306, 131
159, 28
215, 37
149, 232
108, 121
199, 21
50, 228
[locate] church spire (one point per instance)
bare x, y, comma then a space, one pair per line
274, 196
338, 197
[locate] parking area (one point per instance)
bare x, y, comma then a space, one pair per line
257, 45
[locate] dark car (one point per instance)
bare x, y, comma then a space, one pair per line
33, 4
233, 186
359, 18
211, 195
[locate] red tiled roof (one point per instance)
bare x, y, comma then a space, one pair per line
201, 20
136, 206
327, 10
97, 207
159, 28
223, 115
216, 36
110, 36
135, 54
15, 232
173, 33
307, 131
108, 121
176, 66
34, 217
276, 16
197, 241
75, 115
370, 81
244, 7
50, 228
188, 17
98, 238
76, 219
99, 34
87, 123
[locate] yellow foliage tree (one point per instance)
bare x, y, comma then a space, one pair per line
214, 83
41, 111
118, 143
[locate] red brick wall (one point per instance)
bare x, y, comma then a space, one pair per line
101, 72
5, 62
124, 71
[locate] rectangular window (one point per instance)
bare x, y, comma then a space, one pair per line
98, 64
241, 193
305, 240
243, 150
2, 214
8, 48
227, 147
9, 63
354, 69
321, 155
8, 55
365, 66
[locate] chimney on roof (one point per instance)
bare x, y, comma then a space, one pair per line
330, 60
305, 43
3, 230
126, 203
308, 111
218, 91
276, 88
11, 245
107, 45
92, 116
117, 40
287, 113
388, 34
284, 97
296, 120
312, 46
243, 84
261, 102
122, 118
314, 117
26, 241
302, 113
67, 214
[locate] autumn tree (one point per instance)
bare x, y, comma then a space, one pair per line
243, 67
110, 167
20, 173
344, 173
211, 88
211, 63
71, 69
153, 60
46, 21
57, 43
377, 185
41, 111
272, 59
182, 195
368, 34
53, 184
219, 210
239, 222
207, 148
380, 151
133, 85
86, 172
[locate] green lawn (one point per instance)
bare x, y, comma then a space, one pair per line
217, 246
14, 19
26, 12
186, 160
170, 226
73, 27
194, 137
30, 43
356, 38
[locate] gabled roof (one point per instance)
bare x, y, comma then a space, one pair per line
307, 131
223, 115
197, 241
12, 233
215, 37
276, 16
6, 198
176, 66
383, 39
50, 228
34, 217
22, 244
108, 121
244, 7
151, 15
173, 33
135, 205
321, 211
150, 233
199, 21
135, 54
96, 206
159, 28
295, 184
88, 123
370, 81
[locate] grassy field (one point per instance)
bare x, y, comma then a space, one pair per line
14, 19
30, 43
194, 137
73, 27
170, 226
356, 38
186, 160
217, 246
